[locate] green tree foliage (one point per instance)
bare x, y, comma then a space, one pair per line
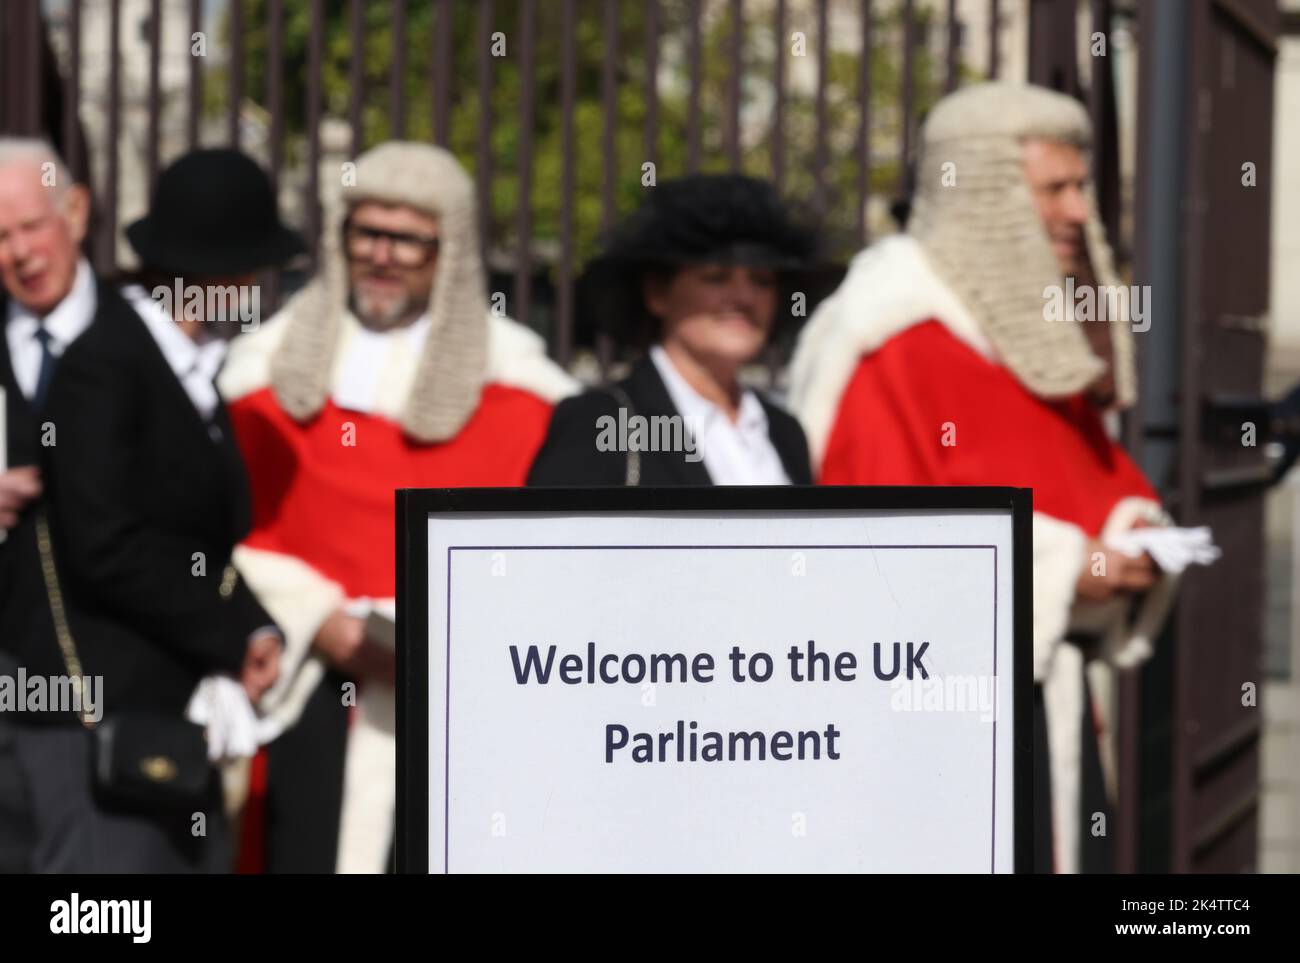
838, 211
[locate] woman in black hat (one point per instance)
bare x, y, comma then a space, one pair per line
702, 273
148, 498
212, 226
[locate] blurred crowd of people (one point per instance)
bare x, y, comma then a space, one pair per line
199, 510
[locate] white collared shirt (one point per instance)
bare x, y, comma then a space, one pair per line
374, 370
195, 365
65, 323
735, 453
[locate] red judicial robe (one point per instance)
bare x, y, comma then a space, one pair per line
896, 385
331, 504
926, 409
323, 528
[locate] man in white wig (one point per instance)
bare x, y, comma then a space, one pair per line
938, 362
387, 371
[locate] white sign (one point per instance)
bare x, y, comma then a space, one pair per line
745, 691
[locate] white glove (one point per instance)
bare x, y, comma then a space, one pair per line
234, 729
1173, 549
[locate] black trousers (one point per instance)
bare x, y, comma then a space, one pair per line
304, 783
1096, 853
15, 807
15, 801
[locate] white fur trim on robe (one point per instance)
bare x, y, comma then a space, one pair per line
299, 598
889, 287
369, 783
1063, 702
248, 362
516, 357
1059, 550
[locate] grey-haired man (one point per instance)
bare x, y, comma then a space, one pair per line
48, 300
937, 363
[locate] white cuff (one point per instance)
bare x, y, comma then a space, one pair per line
1131, 641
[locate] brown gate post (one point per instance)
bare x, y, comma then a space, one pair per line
21, 45
1205, 253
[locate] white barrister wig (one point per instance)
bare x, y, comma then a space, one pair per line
975, 218
451, 371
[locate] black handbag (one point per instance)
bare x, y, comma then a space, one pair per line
140, 760
149, 761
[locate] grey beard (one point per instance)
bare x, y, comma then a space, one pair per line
401, 311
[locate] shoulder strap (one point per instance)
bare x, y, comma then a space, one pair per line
632, 477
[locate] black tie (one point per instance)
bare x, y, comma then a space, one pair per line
46, 371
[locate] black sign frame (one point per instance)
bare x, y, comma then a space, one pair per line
414, 506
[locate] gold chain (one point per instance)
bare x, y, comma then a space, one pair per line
59, 614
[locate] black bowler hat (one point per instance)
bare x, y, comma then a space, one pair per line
698, 219
213, 212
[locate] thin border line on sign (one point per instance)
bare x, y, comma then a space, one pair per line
446, 822
993, 846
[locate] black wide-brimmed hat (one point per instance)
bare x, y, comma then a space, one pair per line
213, 212
699, 219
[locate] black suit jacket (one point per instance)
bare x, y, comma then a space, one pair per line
26, 630
146, 502
569, 455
